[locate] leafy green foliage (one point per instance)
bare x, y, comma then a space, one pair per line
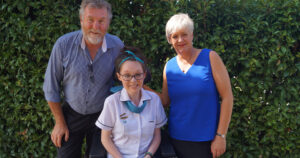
258, 41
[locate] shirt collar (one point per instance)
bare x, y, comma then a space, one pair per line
124, 96
104, 45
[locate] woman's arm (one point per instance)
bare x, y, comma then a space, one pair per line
155, 141
222, 81
109, 145
164, 96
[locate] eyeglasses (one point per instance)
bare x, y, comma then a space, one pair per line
92, 78
128, 77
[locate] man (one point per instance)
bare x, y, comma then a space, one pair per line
81, 65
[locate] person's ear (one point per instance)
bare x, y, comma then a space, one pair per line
119, 76
81, 19
169, 40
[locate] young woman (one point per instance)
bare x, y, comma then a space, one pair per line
131, 118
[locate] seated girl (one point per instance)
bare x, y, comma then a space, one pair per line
131, 118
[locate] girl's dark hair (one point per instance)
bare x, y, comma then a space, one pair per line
124, 54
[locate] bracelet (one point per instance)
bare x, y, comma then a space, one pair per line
221, 135
149, 153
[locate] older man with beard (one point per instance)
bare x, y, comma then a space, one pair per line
81, 67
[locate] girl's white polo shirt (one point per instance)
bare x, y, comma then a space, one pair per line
132, 133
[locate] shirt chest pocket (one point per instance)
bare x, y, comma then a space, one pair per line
75, 68
148, 126
104, 72
130, 126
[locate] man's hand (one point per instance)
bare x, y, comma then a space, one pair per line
218, 146
59, 130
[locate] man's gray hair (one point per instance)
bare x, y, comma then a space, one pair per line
95, 4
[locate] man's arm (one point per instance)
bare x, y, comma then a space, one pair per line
51, 87
60, 129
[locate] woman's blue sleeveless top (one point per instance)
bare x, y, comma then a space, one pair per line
195, 108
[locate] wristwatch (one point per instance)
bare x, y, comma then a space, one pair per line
221, 135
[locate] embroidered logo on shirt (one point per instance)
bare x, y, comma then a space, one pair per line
123, 117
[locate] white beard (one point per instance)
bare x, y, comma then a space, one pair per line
92, 40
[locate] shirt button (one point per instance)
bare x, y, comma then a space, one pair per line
86, 102
89, 90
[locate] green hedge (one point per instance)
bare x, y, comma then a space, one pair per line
258, 40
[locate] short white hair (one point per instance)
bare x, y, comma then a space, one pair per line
177, 22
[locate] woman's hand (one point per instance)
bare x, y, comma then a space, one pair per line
218, 146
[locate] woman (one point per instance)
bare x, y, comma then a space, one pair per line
192, 83
131, 118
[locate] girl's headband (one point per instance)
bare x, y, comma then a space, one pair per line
131, 57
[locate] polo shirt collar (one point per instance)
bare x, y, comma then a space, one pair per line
104, 44
124, 96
